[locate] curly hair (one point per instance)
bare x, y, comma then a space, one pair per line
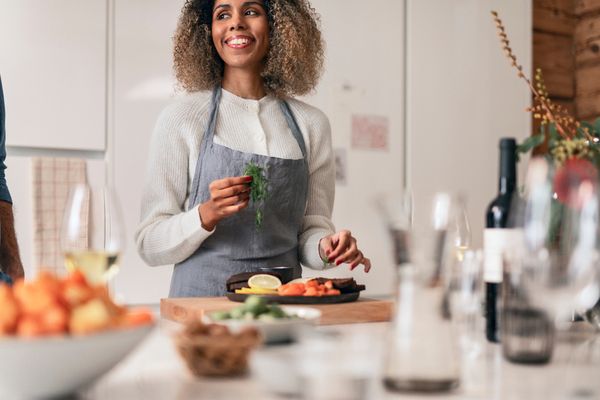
293, 63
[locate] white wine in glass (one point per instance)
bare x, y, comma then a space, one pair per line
462, 233
92, 235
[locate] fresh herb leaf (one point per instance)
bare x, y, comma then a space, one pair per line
530, 143
258, 189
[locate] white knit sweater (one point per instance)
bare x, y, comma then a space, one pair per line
167, 233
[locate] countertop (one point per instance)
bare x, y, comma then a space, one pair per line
155, 371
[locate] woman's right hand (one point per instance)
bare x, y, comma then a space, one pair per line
227, 197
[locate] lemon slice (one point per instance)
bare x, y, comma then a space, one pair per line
255, 291
264, 281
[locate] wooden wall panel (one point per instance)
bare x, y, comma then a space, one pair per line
556, 16
586, 6
588, 81
554, 55
554, 27
587, 59
588, 107
587, 41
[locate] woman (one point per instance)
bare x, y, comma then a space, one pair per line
242, 60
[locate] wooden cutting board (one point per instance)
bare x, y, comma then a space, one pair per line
360, 311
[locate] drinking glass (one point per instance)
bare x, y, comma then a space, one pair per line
462, 237
562, 277
422, 348
92, 233
339, 364
465, 293
554, 270
396, 212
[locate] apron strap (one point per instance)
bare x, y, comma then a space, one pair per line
212, 120
207, 141
291, 121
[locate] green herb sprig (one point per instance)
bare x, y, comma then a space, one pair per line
258, 189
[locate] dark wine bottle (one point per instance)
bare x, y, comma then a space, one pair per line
497, 236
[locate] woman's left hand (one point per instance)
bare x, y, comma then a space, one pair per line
341, 247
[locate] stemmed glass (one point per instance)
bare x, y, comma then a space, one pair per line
464, 291
462, 234
554, 271
560, 272
92, 234
396, 212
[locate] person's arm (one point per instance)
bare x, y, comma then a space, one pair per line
9, 250
316, 223
10, 261
320, 246
167, 233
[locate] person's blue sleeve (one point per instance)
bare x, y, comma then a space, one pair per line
5, 278
4, 193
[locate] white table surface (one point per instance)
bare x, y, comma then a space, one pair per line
155, 371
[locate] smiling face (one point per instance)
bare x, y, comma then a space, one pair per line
240, 33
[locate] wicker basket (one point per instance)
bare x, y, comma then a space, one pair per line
212, 350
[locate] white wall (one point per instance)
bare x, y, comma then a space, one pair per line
142, 86
462, 96
364, 75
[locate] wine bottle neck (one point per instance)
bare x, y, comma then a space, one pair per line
508, 166
506, 185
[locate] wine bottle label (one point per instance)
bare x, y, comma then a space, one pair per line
496, 242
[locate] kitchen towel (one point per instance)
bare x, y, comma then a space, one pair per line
52, 179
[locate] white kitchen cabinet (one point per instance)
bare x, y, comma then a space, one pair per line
53, 67
142, 87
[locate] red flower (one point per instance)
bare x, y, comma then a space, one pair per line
575, 181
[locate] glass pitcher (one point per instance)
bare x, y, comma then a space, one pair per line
423, 352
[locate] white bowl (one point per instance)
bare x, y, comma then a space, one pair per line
279, 330
55, 366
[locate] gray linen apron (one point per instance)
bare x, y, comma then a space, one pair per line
236, 244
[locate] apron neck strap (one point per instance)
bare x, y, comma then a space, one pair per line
212, 119
291, 121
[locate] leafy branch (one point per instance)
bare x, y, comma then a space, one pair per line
557, 125
258, 189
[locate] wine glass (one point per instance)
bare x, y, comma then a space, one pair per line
561, 268
464, 291
554, 269
396, 212
92, 234
462, 234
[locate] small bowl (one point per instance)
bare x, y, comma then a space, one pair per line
277, 331
286, 274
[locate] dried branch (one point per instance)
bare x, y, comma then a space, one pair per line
545, 108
